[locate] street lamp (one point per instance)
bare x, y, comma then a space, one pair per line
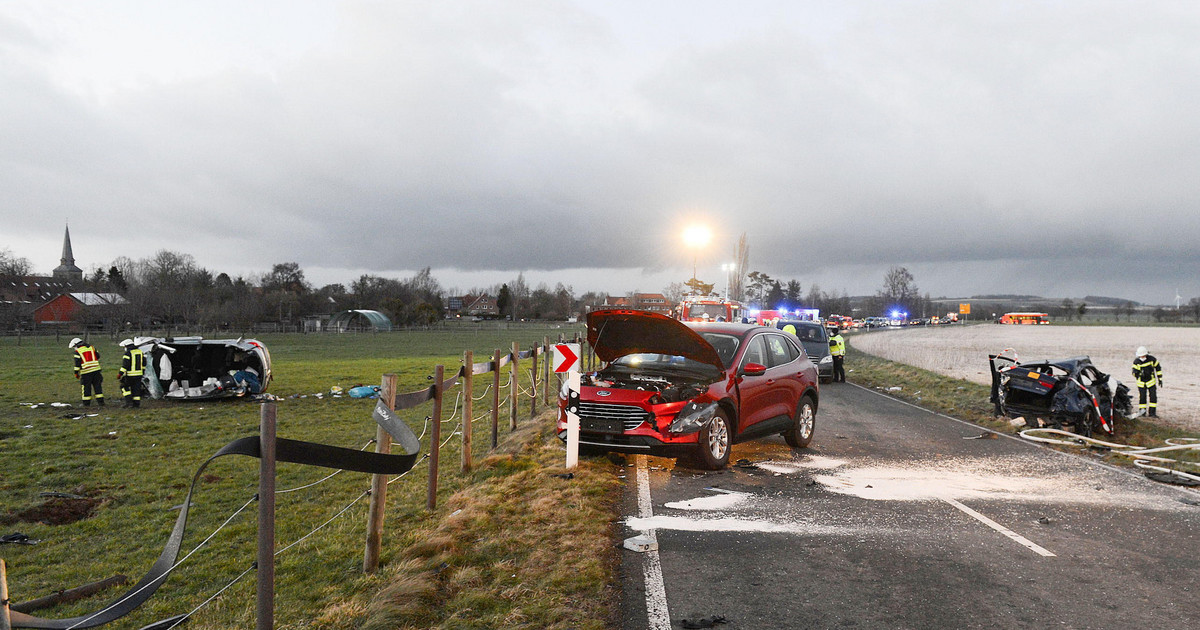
696, 237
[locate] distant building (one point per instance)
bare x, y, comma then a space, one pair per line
481, 306
33, 289
79, 308
66, 270
655, 302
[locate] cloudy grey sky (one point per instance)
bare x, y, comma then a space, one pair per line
1018, 147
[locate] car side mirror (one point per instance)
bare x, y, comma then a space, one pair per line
754, 369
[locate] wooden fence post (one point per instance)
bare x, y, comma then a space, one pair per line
375, 513
468, 408
496, 399
546, 371
533, 393
266, 519
5, 618
436, 437
514, 375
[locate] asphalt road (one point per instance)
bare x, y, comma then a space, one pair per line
893, 519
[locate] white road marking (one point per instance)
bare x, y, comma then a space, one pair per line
1000, 528
657, 615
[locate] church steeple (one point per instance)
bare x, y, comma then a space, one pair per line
67, 270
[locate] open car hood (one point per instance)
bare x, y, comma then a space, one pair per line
618, 332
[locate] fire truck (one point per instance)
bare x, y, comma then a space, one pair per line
708, 308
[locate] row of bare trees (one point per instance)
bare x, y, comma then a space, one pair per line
169, 289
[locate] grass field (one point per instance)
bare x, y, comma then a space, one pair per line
455, 567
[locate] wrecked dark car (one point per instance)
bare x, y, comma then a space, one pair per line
676, 389
194, 368
1064, 394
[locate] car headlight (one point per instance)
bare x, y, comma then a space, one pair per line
693, 417
827, 359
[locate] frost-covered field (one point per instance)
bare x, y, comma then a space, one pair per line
961, 352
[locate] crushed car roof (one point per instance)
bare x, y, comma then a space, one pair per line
615, 333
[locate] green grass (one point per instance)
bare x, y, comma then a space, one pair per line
137, 465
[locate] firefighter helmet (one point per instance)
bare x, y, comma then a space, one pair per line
125, 342
74, 342
1142, 351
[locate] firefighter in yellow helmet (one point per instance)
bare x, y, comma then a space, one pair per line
87, 371
133, 365
1148, 374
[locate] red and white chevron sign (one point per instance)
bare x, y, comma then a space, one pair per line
566, 357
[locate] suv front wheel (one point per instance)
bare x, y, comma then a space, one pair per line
715, 441
804, 425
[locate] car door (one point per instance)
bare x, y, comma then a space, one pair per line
783, 376
754, 391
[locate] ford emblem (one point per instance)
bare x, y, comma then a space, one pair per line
604, 393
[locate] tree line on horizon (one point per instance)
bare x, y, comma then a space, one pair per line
170, 289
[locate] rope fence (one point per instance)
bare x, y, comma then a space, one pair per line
384, 468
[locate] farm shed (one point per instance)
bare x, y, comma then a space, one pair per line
78, 308
360, 320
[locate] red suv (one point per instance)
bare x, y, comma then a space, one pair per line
694, 389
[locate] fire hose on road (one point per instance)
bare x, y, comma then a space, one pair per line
1161, 467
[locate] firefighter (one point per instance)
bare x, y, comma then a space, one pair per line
133, 365
1148, 374
87, 371
837, 348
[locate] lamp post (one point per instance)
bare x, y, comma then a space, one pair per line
728, 269
696, 237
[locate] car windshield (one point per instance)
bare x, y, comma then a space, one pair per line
712, 310
652, 362
810, 333
726, 346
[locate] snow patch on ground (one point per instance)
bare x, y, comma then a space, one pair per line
682, 523
967, 479
723, 501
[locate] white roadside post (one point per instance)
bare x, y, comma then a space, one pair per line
566, 359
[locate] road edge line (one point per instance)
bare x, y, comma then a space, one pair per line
658, 617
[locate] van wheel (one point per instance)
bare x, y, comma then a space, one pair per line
712, 451
804, 425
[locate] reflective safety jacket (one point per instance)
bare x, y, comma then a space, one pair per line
133, 363
837, 345
1147, 372
87, 359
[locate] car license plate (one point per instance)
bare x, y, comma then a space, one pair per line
601, 425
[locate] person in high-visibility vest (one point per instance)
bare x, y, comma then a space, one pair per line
87, 371
837, 348
1148, 374
133, 365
